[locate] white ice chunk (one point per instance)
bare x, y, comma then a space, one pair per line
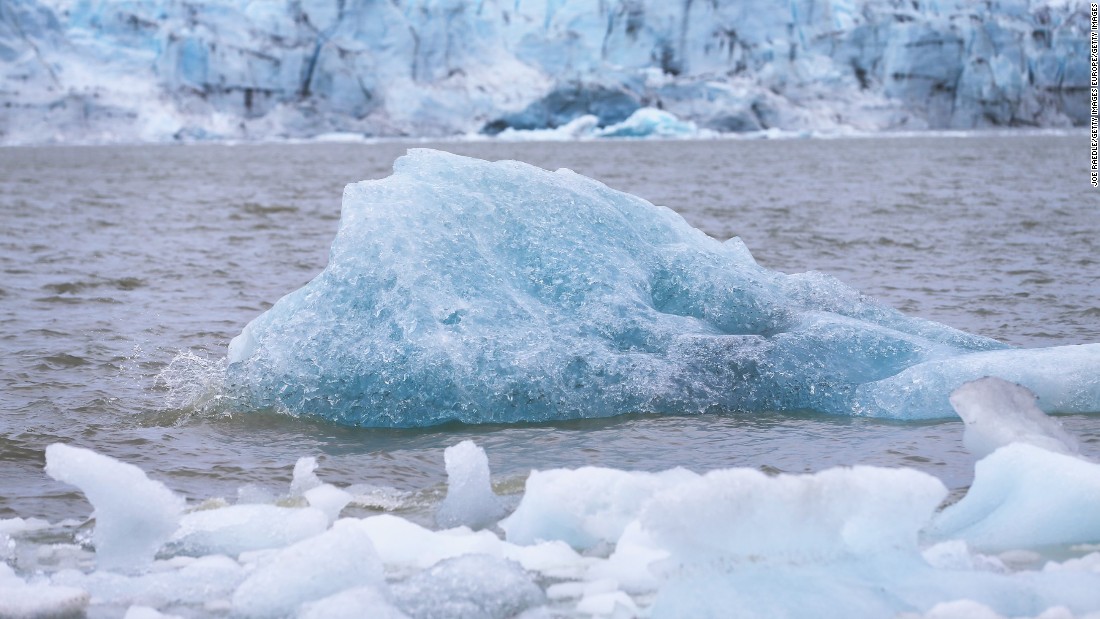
357, 603
630, 564
478, 586
586, 506
405, 544
19, 600
329, 499
1024, 496
181, 580
745, 516
998, 412
146, 612
341, 558
304, 476
470, 500
134, 514
242, 528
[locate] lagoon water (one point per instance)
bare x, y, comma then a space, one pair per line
126, 271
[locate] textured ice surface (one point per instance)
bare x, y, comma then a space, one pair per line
1063, 378
649, 122
20, 600
997, 413
459, 289
134, 515
472, 586
1025, 496
341, 558
199, 69
838, 543
470, 500
235, 529
584, 507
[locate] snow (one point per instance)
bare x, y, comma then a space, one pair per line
459, 289
168, 70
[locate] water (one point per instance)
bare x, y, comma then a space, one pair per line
126, 270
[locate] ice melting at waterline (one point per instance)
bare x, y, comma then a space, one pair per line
594, 542
459, 289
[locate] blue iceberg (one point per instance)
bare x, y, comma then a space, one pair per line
459, 289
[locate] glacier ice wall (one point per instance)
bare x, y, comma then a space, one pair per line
459, 289
98, 70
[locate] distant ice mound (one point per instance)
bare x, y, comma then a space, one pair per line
459, 289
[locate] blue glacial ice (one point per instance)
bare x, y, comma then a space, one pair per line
93, 71
459, 289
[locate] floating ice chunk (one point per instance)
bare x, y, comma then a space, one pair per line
1063, 378
470, 500
998, 412
744, 516
305, 477
629, 565
650, 122
146, 612
406, 544
181, 580
1024, 496
460, 289
20, 600
356, 603
341, 558
585, 506
471, 586
1087, 563
681, 307
242, 528
134, 515
329, 499
581, 127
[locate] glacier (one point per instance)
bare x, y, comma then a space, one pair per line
463, 290
165, 70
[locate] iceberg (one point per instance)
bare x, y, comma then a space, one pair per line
460, 289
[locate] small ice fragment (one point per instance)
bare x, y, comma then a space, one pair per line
134, 514
329, 499
19, 600
354, 603
586, 506
146, 612
304, 476
470, 500
406, 544
1024, 497
243, 528
341, 558
998, 412
469, 586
